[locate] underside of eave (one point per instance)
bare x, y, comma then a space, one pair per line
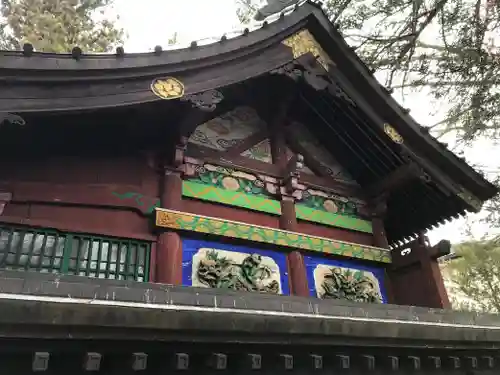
369, 157
423, 144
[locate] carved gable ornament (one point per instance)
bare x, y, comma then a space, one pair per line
393, 134
167, 88
304, 42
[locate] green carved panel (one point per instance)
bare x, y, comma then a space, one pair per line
209, 193
232, 229
232, 180
335, 220
325, 208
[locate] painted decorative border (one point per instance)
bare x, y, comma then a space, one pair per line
233, 229
331, 219
233, 198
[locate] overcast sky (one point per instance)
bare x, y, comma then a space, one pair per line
153, 22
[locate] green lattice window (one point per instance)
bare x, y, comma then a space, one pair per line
73, 254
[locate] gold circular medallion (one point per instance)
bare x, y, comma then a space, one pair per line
167, 88
393, 134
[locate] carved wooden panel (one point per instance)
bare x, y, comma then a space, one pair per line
209, 264
231, 187
228, 130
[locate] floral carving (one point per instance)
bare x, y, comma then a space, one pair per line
393, 134
353, 286
250, 275
206, 101
290, 70
165, 219
319, 200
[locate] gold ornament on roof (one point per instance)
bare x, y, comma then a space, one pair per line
304, 42
167, 88
393, 134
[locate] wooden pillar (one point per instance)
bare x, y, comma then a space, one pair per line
416, 266
379, 210
295, 259
169, 246
169, 259
288, 220
436, 291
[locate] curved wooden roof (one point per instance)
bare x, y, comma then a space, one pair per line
42, 82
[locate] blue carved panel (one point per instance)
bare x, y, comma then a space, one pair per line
360, 283
213, 264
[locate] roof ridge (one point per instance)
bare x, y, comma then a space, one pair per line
205, 41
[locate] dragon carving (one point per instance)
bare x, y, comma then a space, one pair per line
250, 275
352, 286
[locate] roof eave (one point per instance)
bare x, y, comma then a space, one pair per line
388, 108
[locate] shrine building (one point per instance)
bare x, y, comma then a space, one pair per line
254, 204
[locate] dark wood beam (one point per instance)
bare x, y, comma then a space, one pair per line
240, 162
331, 185
291, 180
399, 177
247, 143
309, 160
277, 130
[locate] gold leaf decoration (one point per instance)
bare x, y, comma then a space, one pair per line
167, 88
393, 134
304, 42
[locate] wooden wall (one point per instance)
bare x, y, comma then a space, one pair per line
112, 193
81, 194
88, 195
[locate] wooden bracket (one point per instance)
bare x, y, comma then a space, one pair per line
177, 163
314, 74
204, 101
180, 151
291, 70
291, 179
307, 68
